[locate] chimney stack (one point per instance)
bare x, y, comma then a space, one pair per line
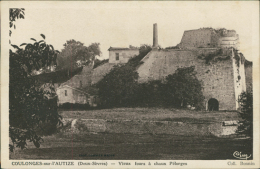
155, 36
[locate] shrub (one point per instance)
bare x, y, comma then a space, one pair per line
118, 87
30, 102
81, 126
136, 60
246, 113
98, 62
74, 106
150, 94
183, 88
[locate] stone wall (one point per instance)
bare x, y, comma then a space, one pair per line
218, 77
249, 73
196, 38
151, 127
208, 37
124, 55
227, 42
72, 96
239, 74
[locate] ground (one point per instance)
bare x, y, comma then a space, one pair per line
160, 114
84, 145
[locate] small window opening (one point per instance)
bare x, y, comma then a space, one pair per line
117, 56
66, 94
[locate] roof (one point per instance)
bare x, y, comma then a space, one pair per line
91, 90
63, 86
59, 76
100, 71
119, 48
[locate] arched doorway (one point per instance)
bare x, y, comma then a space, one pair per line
213, 104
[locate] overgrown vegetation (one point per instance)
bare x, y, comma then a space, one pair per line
183, 88
143, 51
31, 104
77, 54
98, 62
213, 57
120, 88
15, 13
74, 106
173, 47
246, 113
248, 63
150, 94
239, 57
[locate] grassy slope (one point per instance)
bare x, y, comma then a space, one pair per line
130, 147
69, 145
157, 114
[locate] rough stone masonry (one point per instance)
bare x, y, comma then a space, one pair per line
217, 61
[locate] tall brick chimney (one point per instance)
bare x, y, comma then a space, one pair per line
155, 36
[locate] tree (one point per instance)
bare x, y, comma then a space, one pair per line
143, 51
30, 103
98, 62
246, 113
15, 13
183, 88
75, 53
150, 93
118, 87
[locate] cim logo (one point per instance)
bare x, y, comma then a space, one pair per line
241, 156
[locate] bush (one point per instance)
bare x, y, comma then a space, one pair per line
74, 106
118, 87
183, 88
246, 113
98, 62
46, 128
81, 126
136, 60
30, 104
178, 90
150, 94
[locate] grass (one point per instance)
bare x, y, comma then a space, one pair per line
104, 146
84, 145
155, 114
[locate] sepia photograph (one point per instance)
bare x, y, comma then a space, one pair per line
116, 83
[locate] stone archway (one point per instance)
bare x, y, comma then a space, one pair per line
213, 105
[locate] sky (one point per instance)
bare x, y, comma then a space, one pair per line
120, 24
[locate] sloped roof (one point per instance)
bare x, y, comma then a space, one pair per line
91, 90
119, 48
99, 72
85, 73
59, 76
79, 90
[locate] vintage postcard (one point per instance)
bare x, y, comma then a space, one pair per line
130, 84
